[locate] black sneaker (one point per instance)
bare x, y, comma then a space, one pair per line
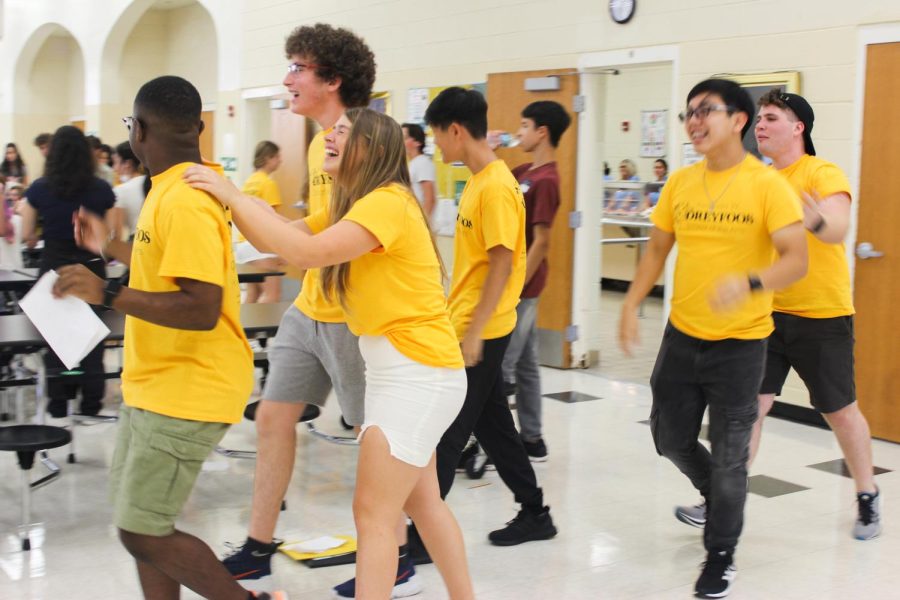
528, 526
252, 567
537, 450
471, 450
717, 575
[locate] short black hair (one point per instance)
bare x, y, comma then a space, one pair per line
126, 154
467, 108
174, 101
731, 94
549, 114
417, 133
42, 139
93, 141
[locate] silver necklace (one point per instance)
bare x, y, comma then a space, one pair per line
712, 201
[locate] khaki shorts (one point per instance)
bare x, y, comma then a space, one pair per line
154, 467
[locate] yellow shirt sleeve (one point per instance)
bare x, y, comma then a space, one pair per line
318, 221
829, 180
499, 217
193, 247
662, 216
782, 204
383, 214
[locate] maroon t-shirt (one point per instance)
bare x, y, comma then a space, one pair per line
541, 189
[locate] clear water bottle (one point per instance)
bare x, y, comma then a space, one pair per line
502, 139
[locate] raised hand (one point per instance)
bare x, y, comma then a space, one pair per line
91, 232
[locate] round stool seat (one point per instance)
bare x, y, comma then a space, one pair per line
31, 438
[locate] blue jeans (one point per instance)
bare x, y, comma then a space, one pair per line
691, 374
520, 364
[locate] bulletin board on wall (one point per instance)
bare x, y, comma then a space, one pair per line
760, 83
450, 179
381, 102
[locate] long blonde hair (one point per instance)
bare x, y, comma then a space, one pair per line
374, 156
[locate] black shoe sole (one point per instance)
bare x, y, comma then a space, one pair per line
530, 538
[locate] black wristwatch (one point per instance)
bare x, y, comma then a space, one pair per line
755, 283
111, 291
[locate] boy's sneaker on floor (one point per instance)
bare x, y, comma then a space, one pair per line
407, 583
717, 575
868, 522
471, 450
695, 516
270, 595
251, 563
528, 526
537, 450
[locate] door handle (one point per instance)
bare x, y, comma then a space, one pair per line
866, 250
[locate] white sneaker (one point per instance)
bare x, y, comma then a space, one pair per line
695, 516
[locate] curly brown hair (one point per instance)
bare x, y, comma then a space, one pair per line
338, 52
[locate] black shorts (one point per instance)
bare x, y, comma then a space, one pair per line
821, 351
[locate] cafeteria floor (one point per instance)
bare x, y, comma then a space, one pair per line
611, 496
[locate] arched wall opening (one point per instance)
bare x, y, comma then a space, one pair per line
48, 90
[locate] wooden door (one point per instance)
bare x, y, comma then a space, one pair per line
289, 132
506, 98
207, 136
877, 282
79, 124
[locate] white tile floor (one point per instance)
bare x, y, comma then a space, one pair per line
611, 497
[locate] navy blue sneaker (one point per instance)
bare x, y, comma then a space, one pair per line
406, 585
251, 567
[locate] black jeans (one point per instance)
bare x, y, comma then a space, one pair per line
486, 413
691, 374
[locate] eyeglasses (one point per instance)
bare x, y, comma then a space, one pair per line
702, 111
129, 121
300, 67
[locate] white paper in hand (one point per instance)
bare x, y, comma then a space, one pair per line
68, 324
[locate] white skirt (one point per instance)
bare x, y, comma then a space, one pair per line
413, 404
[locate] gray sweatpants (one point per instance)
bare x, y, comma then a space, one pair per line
520, 364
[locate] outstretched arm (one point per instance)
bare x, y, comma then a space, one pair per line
340, 243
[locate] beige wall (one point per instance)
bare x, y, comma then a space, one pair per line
634, 89
435, 43
51, 95
163, 42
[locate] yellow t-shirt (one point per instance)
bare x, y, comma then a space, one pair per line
311, 301
491, 213
193, 375
262, 186
825, 291
396, 289
319, 180
723, 232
